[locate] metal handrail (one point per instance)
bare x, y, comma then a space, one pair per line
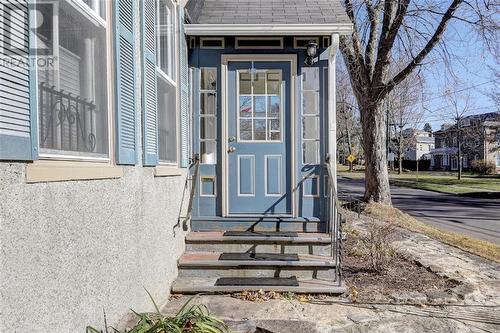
195, 163
334, 221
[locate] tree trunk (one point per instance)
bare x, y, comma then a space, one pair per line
376, 171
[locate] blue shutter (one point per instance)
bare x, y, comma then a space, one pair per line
185, 100
149, 100
125, 81
18, 121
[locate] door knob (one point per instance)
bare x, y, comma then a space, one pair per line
231, 150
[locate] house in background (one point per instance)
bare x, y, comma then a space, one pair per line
121, 119
480, 141
419, 144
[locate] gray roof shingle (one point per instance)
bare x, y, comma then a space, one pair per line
267, 12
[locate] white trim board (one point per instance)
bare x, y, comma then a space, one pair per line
267, 29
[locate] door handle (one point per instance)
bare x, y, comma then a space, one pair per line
231, 149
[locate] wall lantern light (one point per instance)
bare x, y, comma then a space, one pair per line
311, 52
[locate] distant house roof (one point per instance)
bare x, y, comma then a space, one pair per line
486, 119
325, 16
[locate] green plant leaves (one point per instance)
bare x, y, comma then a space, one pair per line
191, 318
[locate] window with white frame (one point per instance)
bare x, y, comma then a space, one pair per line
167, 82
165, 51
310, 116
208, 115
72, 36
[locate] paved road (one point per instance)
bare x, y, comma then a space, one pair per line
475, 217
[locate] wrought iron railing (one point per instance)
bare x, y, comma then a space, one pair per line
67, 122
334, 219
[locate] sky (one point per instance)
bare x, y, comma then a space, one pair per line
473, 78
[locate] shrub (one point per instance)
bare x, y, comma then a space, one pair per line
376, 244
483, 167
191, 318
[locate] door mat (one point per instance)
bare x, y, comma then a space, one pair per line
254, 281
263, 233
260, 256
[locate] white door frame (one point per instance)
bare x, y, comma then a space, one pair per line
226, 58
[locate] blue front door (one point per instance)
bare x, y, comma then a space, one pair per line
259, 133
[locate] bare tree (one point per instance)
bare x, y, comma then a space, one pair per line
405, 111
348, 125
460, 104
398, 29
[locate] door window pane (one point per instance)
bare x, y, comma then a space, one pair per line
209, 79
260, 105
208, 128
259, 129
259, 83
208, 152
310, 152
245, 84
245, 106
246, 129
274, 106
208, 115
310, 128
208, 102
310, 102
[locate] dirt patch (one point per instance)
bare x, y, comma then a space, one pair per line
403, 280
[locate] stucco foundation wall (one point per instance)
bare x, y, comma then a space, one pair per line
71, 249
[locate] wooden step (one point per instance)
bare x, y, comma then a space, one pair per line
259, 238
195, 285
213, 260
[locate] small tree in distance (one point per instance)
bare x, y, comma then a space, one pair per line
427, 128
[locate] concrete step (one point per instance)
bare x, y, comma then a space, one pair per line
259, 242
213, 264
195, 285
257, 224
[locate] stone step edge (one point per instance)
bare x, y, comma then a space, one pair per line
211, 237
207, 285
210, 261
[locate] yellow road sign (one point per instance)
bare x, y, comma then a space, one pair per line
351, 158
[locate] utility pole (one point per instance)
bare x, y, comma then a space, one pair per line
459, 146
400, 148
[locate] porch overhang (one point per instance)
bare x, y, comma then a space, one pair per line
268, 29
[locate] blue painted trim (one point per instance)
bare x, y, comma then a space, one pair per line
149, 159
123, 156
33, 85
15, 148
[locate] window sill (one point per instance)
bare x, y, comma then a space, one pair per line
167, 171
58, 171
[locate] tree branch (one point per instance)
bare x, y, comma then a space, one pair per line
373, 16
436, 37
394, 13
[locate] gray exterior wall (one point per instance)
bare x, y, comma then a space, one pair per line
70, 249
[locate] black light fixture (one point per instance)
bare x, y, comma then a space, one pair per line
311, 52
